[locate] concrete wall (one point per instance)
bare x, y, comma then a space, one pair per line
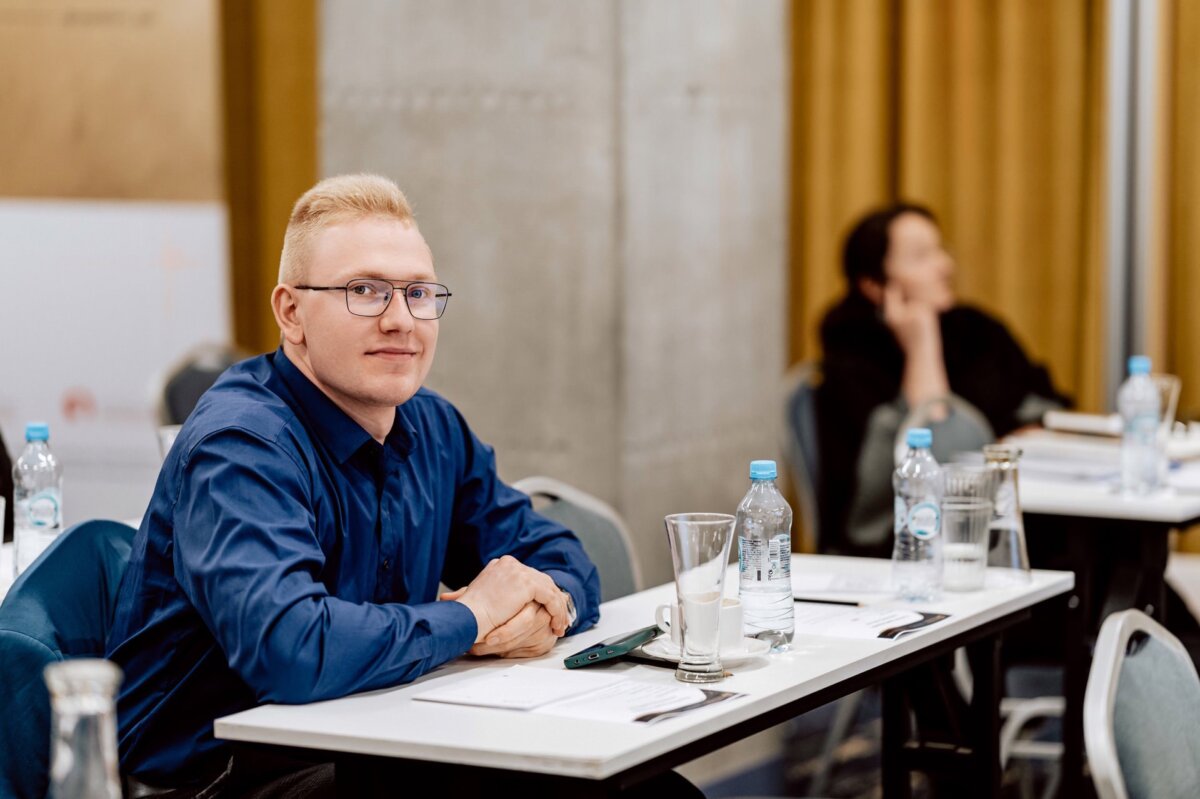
603, 186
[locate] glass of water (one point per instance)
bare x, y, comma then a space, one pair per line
966, 512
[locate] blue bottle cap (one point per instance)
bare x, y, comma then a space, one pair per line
920, 437
37, 431
1139, 364
762, 470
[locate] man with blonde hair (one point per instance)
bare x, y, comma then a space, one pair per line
311, 505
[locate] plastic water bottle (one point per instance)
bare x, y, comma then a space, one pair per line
37, 497
917, 554
764, 536
1139, 403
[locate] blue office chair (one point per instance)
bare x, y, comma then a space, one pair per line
598, 527
800, 441
59, 608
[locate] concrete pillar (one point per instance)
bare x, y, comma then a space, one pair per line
603, 187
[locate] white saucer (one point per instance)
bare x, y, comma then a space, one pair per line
662, 647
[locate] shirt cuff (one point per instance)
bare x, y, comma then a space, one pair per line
571, 584
453, 625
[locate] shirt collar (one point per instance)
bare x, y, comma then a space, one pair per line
341, 435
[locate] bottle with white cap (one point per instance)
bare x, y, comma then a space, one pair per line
917, 552
37, 498
1140, 405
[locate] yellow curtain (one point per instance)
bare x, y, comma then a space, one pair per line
1181, 194
269, 81
989, 113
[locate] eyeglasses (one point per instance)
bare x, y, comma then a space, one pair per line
371, 297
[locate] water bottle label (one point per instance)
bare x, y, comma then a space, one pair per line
924, 520
760, 560
1144, 426
42, 509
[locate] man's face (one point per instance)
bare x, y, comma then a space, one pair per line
366, 364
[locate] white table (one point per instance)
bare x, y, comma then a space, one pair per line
818, 669
1102, 500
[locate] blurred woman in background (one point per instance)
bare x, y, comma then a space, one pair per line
897, 347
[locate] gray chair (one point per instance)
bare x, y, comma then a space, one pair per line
187, 380
1141, 712
600, 529
800, 441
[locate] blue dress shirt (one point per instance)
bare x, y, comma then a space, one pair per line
287, 556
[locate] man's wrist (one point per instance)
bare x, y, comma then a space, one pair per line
572, 613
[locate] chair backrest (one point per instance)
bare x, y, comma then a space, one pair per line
187, 381
599, 528
951, 437
1141, 711
800, 440
60, 607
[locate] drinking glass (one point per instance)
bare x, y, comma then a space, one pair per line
700, 555
1007, 555
966, 511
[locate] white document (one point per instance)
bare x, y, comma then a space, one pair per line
627, 700
815, 584
571, 693
518, 687
849, 622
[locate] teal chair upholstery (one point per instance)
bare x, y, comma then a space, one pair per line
800, 441
59, 608
1141, 712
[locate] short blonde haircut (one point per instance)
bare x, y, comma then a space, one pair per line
343, 198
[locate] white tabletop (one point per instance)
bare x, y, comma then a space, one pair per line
390, 723
1066, 474
1103, 500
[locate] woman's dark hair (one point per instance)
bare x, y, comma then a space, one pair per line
867, 244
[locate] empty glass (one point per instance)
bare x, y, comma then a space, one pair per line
700, 554
1007, 554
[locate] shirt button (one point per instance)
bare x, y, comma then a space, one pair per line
387, 564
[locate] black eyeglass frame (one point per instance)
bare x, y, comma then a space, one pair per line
402, 289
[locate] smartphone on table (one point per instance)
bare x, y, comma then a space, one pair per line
612, 648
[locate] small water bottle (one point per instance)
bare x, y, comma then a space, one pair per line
917, 553
764, 536
1139, 403
83, 735
37, 498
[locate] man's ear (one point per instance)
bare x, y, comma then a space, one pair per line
872, 289
287, 314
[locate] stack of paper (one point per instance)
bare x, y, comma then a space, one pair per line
573, 694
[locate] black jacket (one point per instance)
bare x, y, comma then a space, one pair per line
6, 490
863, 366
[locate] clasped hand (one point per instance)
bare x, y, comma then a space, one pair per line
520, 612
